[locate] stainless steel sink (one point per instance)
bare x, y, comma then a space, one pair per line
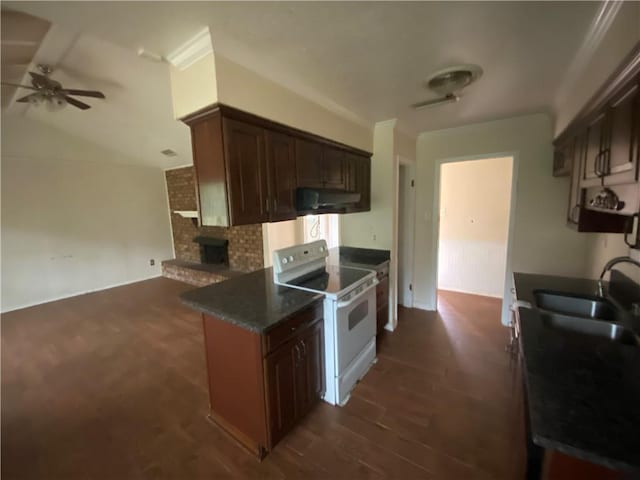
598, 328
586, 306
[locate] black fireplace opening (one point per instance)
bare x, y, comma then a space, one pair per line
213, 250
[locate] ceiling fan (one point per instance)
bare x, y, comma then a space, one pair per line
52, 93
448, 83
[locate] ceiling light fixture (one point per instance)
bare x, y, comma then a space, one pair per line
448, 83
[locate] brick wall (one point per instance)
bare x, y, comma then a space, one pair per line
245, 242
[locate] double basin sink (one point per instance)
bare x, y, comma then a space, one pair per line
585, 314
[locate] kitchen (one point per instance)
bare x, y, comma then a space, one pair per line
416, 399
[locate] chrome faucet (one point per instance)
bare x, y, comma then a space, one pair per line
609, 265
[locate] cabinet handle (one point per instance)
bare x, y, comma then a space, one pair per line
596, 164
298, 357
275, 204
304, 349
632, 223
266, 204
606, 162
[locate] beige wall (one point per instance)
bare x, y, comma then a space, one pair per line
73, 219
281, 235
474, 222
241, 88
194, 87
541, 241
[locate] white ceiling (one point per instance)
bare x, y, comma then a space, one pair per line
369, 57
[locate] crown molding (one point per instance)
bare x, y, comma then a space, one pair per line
191, 51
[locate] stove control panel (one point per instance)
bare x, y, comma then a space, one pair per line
294, 261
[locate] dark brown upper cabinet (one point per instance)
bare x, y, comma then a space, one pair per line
603, 143
621, 161
247, 178
358, 170
333, 167
594, 154
281, 168
248, 168
309, 164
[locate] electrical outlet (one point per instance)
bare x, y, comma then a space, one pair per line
152, 262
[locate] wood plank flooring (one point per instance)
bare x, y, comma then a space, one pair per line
112, 385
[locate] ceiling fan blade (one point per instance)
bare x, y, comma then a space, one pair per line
437, 101
39, 77
77, 103
27, 98
83, 93
18, 85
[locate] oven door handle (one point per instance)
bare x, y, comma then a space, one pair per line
360, 295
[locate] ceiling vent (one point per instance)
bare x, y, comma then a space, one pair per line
169, 153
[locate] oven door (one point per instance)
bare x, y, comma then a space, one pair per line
355, 326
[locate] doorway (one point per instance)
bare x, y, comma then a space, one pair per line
474, 224
406, 212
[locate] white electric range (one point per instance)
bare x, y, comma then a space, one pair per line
349, 312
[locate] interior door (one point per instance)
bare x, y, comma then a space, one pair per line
281, 167
246, 172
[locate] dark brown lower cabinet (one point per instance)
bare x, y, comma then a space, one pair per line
261, 385
382, 303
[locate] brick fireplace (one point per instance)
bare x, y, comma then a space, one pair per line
244, 247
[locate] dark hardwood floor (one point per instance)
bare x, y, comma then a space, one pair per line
112, 385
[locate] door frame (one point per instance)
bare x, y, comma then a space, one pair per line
508, 274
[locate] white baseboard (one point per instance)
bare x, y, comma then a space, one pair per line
82, 292
470, 292
423, 306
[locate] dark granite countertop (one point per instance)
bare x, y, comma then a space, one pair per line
583, 392
360, 257
251, 301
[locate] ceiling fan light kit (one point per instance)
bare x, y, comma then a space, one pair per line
51, 92
448, 83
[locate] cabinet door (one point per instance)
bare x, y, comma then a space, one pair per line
333, 166
562, 159
622, 151
358, 170
575, 197
309, 164
281, 376
310, 374
592, 167
281, 167
246, 172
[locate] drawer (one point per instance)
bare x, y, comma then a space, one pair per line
290, 327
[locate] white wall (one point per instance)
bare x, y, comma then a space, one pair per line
599, 61
280, 235
374, 229
74, 220
194, 87
542, 242
474, 225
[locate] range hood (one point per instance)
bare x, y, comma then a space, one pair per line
324, 198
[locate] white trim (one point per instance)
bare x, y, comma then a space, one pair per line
432, 303
82, 292
422, 306
177, 167
166, 191
192, 50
